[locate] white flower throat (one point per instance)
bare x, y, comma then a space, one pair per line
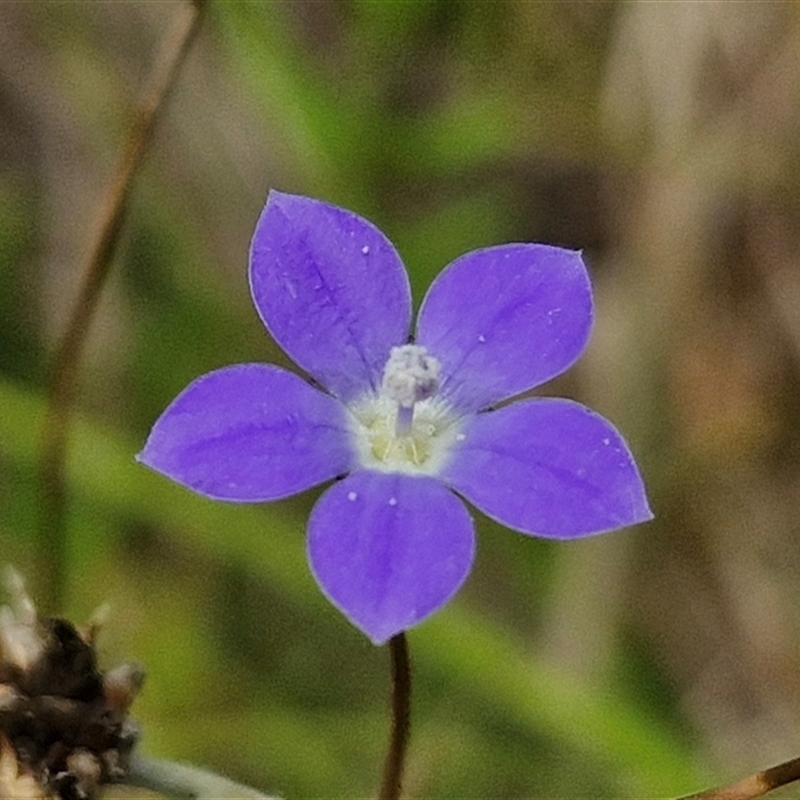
405, 427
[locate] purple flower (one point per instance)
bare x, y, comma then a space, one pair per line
406, 428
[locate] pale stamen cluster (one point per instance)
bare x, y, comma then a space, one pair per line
405, 427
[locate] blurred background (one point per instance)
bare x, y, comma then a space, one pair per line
661, 138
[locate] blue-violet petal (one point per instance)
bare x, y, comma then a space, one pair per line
551, 468
505, 319
389, 549
331, 289
250, 433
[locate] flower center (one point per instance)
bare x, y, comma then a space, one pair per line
405, 427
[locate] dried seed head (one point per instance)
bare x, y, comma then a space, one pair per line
14, 781
64, 730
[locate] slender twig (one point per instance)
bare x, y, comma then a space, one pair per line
186, 782
63, 382
754, 786
394, 765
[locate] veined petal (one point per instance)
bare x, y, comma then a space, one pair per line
550, 468
331, 289
505, 319
389, 549
250, 433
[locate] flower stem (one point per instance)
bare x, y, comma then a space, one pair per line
52, 544
186, 782
401, 719
755, 785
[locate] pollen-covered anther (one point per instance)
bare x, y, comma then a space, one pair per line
410, 375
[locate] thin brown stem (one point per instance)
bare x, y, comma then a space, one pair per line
61, 390
755, 785
393, 767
